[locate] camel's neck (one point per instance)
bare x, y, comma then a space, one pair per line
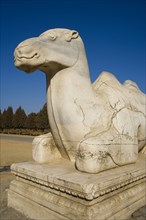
69, 93
81, 66
51, 71
79, 69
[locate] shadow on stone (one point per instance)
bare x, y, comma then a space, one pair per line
5, 168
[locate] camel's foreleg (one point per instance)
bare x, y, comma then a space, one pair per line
44, 149
94, 155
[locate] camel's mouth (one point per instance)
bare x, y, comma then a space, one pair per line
26, 63
23, 57
24, 66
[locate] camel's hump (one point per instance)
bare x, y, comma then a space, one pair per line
130, 89
131, 85
105, 78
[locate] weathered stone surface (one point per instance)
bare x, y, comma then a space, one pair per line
94, 127
100, 125
60, 191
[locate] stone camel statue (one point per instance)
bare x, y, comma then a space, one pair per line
98, 126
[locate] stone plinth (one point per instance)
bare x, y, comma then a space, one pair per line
58, 191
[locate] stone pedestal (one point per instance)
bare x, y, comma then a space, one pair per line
58, 191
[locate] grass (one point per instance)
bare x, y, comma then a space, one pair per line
32, 132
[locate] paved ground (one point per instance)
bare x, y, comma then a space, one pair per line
139, 214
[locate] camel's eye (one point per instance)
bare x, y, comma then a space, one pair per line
45, 36
52, 36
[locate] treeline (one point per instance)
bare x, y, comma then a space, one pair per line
19, 122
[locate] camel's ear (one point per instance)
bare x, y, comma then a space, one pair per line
71, 35
75, 34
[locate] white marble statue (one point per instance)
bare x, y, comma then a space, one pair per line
98, 126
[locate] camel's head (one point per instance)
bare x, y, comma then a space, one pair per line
56, 47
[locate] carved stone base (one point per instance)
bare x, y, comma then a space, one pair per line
58, 191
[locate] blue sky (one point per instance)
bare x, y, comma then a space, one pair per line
113, 32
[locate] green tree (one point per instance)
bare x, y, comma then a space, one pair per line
30, 122
19, 118
8, 118
0, 119
42, 118
3, 119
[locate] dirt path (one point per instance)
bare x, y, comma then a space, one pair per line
11, 152
20, 138
14, 152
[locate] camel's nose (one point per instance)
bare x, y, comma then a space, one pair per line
24, 47
26, 43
